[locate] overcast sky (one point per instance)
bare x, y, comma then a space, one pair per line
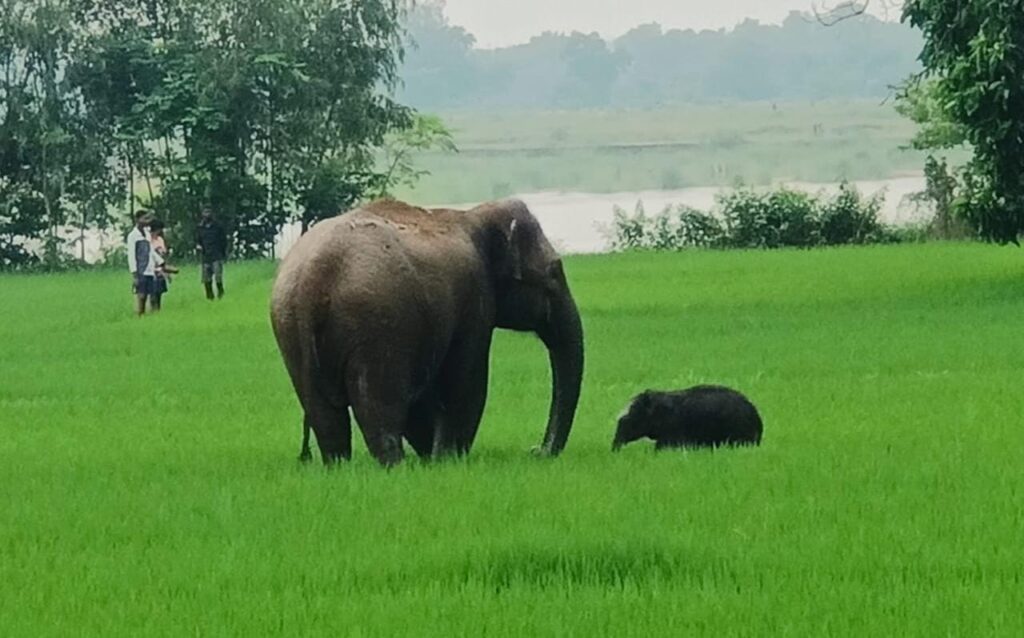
504, 22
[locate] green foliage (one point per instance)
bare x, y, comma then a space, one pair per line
941, 193
52, 153
22, 217
650, 66
746, 218
331, 188
849, 218
920, 101
674, 228
774, 219
180, 104
974, 58
427, 133
886, 499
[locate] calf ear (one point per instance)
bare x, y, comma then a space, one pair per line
644, 402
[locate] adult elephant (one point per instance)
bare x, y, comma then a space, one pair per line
390, 310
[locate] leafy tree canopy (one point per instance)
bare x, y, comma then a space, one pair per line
971, 91
266, 110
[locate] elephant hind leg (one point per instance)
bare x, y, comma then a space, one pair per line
382, 426
333, 428
381, 407
422, 425
305, 455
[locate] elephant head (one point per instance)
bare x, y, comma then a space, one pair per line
532, 295
635, 421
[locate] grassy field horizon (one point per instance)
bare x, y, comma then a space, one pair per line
151, 486
506, 152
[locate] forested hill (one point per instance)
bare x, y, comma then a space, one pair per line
798, 60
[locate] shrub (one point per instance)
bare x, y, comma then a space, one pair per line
699, 229
749, 219
630, 232
849, 218
770, 220
673, 229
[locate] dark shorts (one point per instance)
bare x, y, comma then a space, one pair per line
211, 270
145, 285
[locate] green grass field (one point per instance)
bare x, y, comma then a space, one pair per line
603, 151
150, 485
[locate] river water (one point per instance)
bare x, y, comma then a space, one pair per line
577, 223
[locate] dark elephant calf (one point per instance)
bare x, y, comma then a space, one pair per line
702, 416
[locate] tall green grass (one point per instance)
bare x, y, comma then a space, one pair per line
150, 485
603, 151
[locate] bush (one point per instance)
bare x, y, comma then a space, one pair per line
115, 256
771, 220
673, 229
848, 218
749, 219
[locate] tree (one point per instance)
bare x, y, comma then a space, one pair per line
52, 152
648, 66
250, 107
973, 60
427, 133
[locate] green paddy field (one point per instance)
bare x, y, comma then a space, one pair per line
150, 485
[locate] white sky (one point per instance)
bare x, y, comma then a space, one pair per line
505, 22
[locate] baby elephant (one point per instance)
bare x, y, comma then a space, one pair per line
703, 416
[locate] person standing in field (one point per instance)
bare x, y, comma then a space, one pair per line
212, 243
142, 262
164, 271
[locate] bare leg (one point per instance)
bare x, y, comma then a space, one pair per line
218, 275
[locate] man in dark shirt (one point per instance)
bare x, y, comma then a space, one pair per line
212, 243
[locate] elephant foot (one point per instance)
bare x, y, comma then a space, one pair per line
541, 452
305, 456
387, 449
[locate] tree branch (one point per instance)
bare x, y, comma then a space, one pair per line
830, 16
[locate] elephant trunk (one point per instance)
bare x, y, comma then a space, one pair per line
564, 340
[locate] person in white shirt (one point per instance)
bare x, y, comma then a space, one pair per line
142, 261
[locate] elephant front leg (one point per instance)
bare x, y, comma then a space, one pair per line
463, 394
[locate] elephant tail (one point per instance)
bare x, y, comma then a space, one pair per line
296, 331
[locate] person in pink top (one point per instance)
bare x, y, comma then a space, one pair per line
163, 270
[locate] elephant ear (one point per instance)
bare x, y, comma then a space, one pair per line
515, 254
507, 252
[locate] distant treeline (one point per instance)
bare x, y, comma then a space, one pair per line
650, 66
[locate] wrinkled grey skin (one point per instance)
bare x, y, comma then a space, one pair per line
702, 416
389, 311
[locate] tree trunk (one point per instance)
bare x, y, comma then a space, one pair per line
81, 237
131, 188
